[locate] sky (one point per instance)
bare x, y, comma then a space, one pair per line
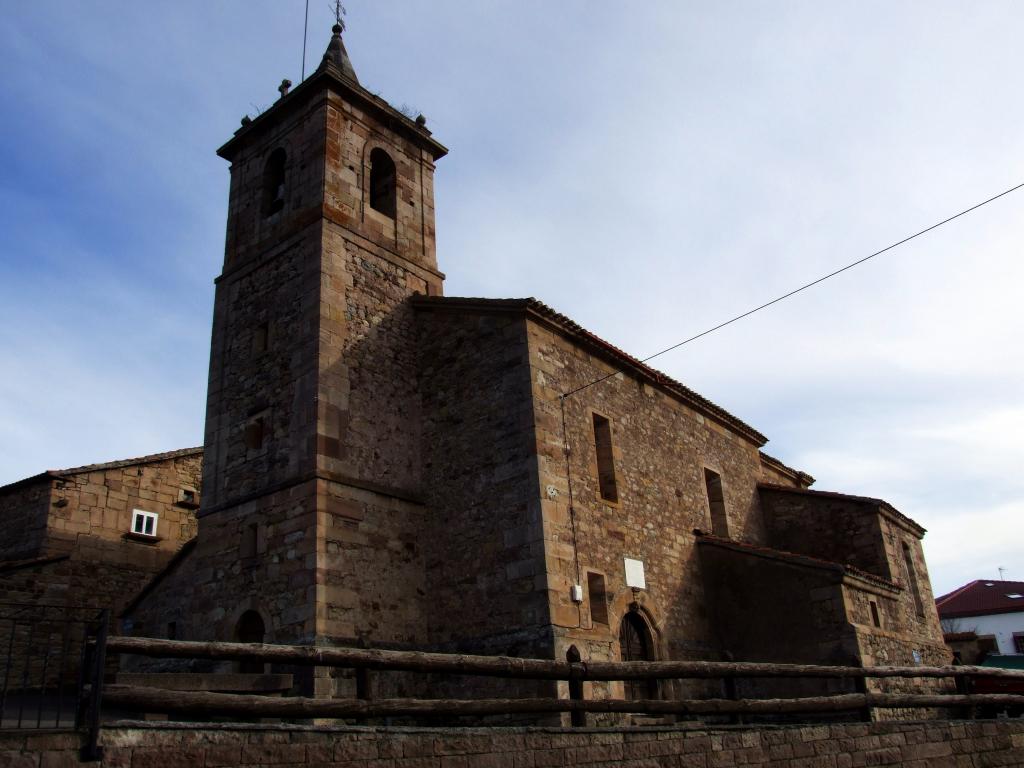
648, 168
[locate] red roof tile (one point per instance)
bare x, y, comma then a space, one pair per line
981, 598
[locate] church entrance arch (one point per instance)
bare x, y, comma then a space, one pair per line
250, 629
637, 644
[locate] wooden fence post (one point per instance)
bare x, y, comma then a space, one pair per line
730, 689
965, 687
578, 717
860, 685
364, 684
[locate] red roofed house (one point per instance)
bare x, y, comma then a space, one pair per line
991, 610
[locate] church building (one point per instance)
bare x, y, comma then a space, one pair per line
388, 466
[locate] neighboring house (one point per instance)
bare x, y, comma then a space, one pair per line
93, 536
388, 466
992, 610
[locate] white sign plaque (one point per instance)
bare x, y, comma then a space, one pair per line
635, 574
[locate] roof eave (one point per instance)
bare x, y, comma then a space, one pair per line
883, 506
329, 75
541, 313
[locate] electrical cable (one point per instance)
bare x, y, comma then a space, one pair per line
801, 288
565, 395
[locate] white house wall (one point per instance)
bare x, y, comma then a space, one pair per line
1002, 625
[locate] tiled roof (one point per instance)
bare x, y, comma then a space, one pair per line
796, 474
846, 497
57, 474
799, 559
981, 598
129, 462
571, 328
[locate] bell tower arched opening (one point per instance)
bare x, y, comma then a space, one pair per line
383, 183
273, 183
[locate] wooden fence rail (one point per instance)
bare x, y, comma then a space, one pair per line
159, 700
511, 667
363, 706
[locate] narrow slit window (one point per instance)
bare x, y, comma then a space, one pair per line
605, 459
261, 338
875, 618
144, 523
598, 598
716, 504
273, 183
250, 535
254, 434
383, 182
915, 588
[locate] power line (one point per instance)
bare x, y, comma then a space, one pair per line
798, 290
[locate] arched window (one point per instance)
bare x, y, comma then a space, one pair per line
382, 183
636, 644
250, 629
273, 183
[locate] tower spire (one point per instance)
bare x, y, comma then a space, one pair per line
336, 54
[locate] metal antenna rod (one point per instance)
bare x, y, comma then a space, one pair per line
305, 32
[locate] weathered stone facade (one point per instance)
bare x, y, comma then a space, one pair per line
848, 745
68, 533
387, 466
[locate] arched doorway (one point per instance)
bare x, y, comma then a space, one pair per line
250, 629
636, 644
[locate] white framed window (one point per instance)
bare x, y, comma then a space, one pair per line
144, 523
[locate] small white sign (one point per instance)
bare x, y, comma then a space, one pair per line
635, 574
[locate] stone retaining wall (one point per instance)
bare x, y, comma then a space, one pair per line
150, 745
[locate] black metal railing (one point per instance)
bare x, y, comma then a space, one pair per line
44, 654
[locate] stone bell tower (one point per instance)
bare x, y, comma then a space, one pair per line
311, 477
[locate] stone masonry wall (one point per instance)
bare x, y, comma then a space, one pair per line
353, 132
661, 448
371, 577
905, 637
924, 625
912, 745
834, 529
268, 385
24, 512
207, 592
51, 599
485, 563
770, 610
100, 504
53, 515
